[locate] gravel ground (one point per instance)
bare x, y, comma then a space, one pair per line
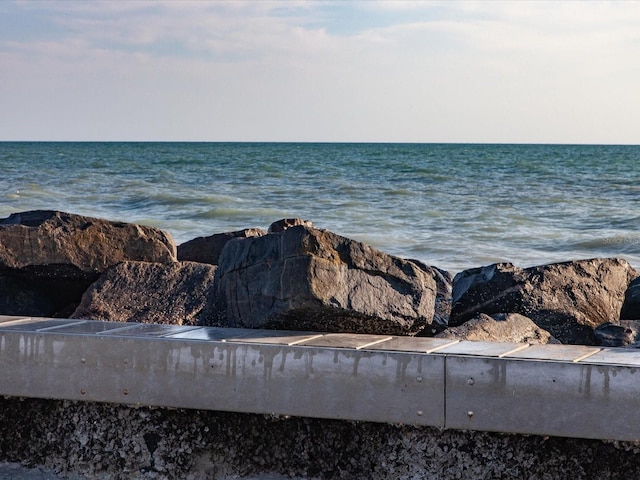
118, 442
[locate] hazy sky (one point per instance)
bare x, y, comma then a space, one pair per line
398, 71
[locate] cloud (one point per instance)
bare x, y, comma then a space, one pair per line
284, 70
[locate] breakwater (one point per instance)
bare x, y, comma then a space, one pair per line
322, 280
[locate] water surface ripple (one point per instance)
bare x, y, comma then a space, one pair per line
453, 206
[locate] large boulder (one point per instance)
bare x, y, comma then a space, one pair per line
49, 258
208, 249
145, 292
309, 279
76, 245
568, 299
499, 327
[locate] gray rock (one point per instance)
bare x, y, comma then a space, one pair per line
442, 310
309, 279
145, 292
625, 333
568, 299
282, 225
631, 306
48, 258
499, 327
207, 249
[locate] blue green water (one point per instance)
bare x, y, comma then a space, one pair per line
453, 206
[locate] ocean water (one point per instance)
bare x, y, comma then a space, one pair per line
455, 206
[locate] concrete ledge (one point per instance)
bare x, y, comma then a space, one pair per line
571, 391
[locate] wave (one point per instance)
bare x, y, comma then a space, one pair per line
609, 245
239, 213
459, 205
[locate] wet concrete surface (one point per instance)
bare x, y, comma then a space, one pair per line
15, 471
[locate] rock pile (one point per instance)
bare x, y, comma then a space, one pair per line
48, 259
568, 299
296, 276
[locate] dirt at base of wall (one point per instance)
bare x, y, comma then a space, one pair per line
105, 441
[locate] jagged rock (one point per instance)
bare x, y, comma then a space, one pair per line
625, 333
499, 327
442, 310
282, 225
207, 249
631, 306
568, 299
145, 292
71, 243
49, 258
309, 279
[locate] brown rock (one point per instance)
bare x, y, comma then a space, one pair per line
207, 249
145, 292
282, 225
568, 299
71, 243
48, 258
499, 327
309, 279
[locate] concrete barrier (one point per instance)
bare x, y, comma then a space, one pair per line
559, 390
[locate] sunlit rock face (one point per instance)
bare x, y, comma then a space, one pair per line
567, 299
310, 279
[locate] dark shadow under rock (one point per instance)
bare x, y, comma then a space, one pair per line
41, 294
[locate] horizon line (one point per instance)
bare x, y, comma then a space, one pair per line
330, 142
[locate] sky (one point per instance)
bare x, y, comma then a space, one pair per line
327, 71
